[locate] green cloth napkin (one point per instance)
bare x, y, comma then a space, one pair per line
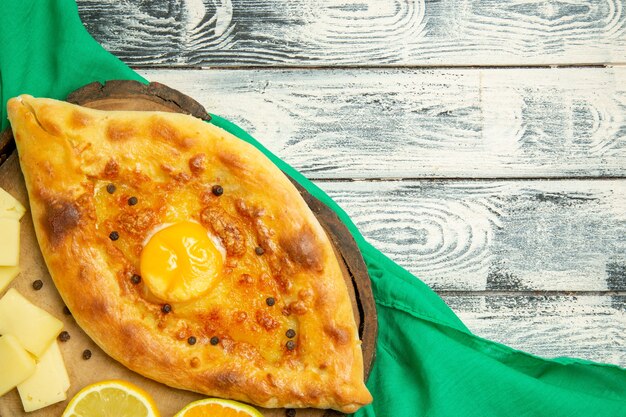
427, 362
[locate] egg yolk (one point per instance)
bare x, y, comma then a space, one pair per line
180, 262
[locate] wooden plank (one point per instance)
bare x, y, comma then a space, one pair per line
559, 235
588, 327
479, 123
359, 32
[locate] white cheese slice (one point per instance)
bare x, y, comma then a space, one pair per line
49, 384
15, 363
7, 274
9, 242
33, 327
9, 207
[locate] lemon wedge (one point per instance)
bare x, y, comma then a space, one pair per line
216, 407
113, 398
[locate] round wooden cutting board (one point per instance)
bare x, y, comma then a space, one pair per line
131, 95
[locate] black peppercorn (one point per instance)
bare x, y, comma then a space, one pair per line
64, 336
37, 285
166, 308
132, 201
217, 190
111, 188
259, 250
114, 236
214, 340
270, 301
191, 340
86, 354
291, 333
291, 345
135, 279
290, 412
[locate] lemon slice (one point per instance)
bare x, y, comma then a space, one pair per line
111, 399
216, 407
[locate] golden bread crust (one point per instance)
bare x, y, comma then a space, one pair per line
170, 162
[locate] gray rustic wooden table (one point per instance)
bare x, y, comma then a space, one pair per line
479, 143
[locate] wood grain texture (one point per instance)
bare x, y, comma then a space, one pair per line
133, 95
496, 235
587, 327
359, 32
479, 123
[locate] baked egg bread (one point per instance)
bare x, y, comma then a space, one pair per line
187, 256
